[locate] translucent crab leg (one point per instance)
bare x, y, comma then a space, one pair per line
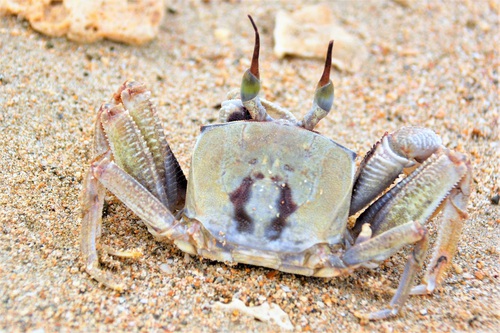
384, 245
379, 248
250, 85
93, 194
92, 205
105, 174
450, 228
323, 97
159, 220
139, 146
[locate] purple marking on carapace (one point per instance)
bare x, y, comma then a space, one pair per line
286, 208
239, 198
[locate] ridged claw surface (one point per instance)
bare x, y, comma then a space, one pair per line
130, 150
387, 159
417, 196
171, 180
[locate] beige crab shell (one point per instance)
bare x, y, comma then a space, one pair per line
247, 178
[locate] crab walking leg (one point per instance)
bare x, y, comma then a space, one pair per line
99, 147
115, 130
450, 228
384, 245
418, 196
387, 159
376, 249
158, 219
92, 203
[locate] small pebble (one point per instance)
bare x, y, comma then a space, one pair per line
457, 268
479, 275
222, 34
166, 269
495, 199
285, 288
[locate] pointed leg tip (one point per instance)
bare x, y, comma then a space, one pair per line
421, 289
377, 315
118, 287
104, 109
105, 278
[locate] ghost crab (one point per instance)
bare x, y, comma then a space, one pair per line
265, 189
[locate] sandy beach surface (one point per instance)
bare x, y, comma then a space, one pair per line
432, 64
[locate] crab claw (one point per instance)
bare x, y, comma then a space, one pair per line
323, 97
250, 85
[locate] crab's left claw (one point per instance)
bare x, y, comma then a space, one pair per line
323, 97
250, 85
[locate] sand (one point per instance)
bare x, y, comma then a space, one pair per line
433, 65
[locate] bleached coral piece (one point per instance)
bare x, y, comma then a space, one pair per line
303, 33
132, 22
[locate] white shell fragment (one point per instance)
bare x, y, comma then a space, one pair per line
264, 312
303, 33
132, 22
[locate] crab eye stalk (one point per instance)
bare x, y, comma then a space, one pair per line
323, 97
250, 85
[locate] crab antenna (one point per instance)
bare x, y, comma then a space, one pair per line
250, 85
323, 97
